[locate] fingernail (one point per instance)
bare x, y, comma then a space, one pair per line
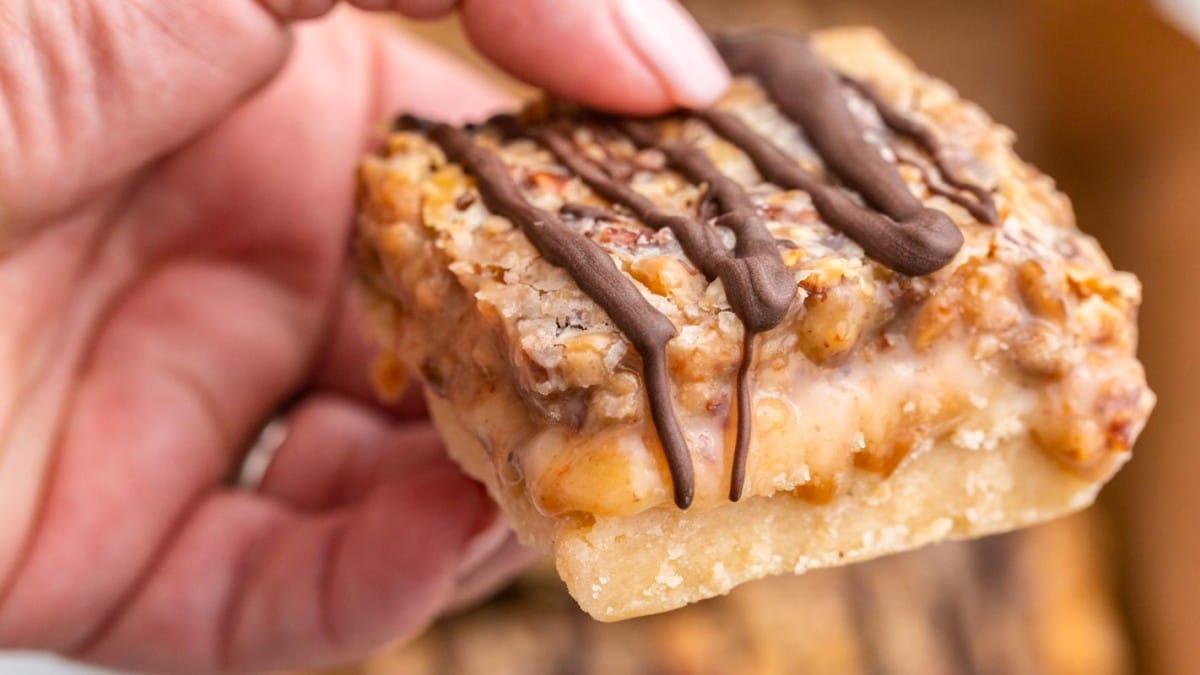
670, 42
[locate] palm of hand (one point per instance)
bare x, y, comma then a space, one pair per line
176, 306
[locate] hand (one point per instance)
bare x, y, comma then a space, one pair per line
175, 202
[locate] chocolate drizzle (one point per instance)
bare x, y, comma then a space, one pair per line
699, 243
984, 207
593, 270
902, 233
937, 185
758, 286
757, 283
920, 240
882, 238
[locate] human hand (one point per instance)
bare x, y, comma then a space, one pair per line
175, 200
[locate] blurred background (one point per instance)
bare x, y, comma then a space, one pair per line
1105, 96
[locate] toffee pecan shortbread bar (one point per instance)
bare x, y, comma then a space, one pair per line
830, 318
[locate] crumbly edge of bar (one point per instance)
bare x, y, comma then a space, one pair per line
664, 558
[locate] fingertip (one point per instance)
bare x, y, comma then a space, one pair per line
627, 56
670, 42
444, 507
397, 564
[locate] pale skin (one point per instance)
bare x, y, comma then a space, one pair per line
176, 196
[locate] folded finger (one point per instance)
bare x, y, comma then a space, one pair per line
336, 450
249, 585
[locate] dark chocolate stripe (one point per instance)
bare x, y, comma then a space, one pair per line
704, 248
937, 186
882, 238
596, 275
700, 243
741, 448
762, 289
757, 283
985, 206
808, 92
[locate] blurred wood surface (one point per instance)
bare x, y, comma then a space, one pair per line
1029, 603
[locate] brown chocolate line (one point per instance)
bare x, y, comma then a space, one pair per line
702, 246
757, 283
741, 447
700, 243
807, 91
904, 125
881, 237
597, 276
936, 185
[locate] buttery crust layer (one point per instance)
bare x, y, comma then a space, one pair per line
884, 411
659, 559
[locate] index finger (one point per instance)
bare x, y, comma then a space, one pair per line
628, 56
